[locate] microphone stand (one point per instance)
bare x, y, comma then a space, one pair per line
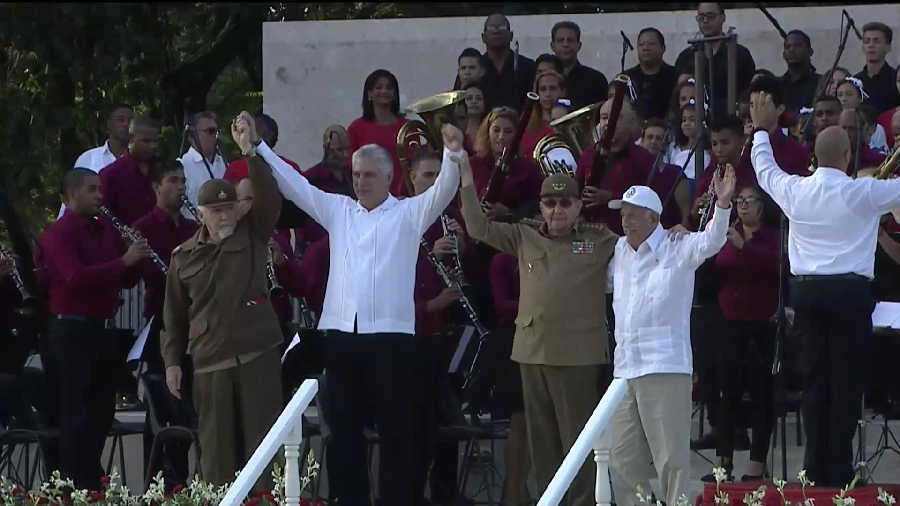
780, 331
852, 23
773, 20
626, 46
823, 84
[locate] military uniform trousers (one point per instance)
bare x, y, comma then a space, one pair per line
650, 433
558, 402
236, 407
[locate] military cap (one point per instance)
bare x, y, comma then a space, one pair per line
216, 191
559, 185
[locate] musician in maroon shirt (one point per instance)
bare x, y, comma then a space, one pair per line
629, 165
125, 183
165, 227
855, 123
523, 181
86, 263
747, 268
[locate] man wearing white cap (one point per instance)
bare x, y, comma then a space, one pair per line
653, 281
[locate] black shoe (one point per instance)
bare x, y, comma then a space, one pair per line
707, 442
741, 441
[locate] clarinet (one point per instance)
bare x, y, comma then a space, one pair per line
307, 315
132, 235
7, 255
275, 288
190, 207
706, 212
451, 282
457, 264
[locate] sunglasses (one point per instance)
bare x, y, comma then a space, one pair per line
749, 201
551, 203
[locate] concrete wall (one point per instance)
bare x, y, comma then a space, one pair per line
313, 71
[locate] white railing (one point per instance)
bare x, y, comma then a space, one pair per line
591, 437
287, 431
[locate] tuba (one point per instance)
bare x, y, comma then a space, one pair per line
577, 129
435, 111
554, 156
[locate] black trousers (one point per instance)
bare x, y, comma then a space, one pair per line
378, 371
746, 351
706, 329
83, 365
169, 410
834, 319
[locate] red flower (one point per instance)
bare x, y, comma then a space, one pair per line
105, 480
97, 496
253, 501
17, 491
305, 502
321, 503
177, 488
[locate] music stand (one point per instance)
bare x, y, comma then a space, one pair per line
887, 441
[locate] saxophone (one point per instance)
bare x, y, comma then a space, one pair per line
131, 235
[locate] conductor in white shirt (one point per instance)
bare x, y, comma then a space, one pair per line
831, 246
369, 312
653, 284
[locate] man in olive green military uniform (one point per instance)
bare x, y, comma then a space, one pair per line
561, 340
216, 304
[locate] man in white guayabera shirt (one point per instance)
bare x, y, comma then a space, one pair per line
369, 313
653, 284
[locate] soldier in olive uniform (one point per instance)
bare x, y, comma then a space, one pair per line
561, 340
216, 303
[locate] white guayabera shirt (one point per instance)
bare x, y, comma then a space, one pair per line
196, 173
834, 218
373, 253
653, 289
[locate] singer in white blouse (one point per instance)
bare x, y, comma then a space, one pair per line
369, 314
653, 285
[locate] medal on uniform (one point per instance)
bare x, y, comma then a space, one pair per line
582, 247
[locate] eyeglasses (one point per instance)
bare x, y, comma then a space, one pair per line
551, 203
211, 130
738, 201
706, 16
496, 28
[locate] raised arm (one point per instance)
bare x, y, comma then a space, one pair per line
699, 246
321, 206
503, 236
772, 179
429, 205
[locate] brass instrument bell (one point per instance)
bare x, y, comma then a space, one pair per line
435, 111
576, 129
554, 156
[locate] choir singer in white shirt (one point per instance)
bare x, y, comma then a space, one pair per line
369, 313
831, 246
653, 286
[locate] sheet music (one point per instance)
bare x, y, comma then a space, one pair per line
137, 349
468, 332
886, 314
294, 342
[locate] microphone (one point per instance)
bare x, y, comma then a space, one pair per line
626, 41
852, 23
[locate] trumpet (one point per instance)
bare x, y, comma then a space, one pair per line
275, 288
190, 207
131, 235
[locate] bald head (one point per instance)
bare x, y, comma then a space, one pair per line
833, 148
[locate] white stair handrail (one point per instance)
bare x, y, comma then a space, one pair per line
588, 439
287, 431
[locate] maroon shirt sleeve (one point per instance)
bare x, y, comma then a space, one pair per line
77, 275
749, 277
314, 273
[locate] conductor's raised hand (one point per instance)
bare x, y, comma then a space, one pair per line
763, 112
453, 137
724, 185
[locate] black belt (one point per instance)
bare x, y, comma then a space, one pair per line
79, 318
830, 277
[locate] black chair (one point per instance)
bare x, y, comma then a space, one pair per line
117, 432
28, 426
16, 460
158, 400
